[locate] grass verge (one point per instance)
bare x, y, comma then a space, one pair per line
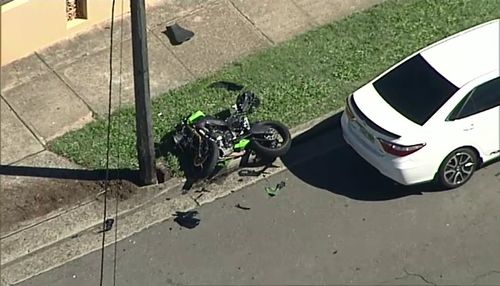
297, 80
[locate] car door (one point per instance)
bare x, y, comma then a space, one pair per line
478, 117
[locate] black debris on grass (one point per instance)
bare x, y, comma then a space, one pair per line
230, 86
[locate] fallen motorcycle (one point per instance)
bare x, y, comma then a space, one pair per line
209, 140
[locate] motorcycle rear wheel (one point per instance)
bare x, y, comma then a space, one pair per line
274, 147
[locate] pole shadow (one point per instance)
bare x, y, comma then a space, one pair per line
70, 174
341, 170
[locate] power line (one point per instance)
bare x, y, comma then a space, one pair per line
108, 142
119, 137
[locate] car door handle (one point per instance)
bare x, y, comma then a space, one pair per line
470, 127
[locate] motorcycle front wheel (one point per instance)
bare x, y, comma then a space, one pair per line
276, 142
205, 164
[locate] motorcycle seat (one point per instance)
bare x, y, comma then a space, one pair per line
208, 121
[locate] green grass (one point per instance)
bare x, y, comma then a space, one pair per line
296, 81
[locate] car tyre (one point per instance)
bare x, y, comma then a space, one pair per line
457, 168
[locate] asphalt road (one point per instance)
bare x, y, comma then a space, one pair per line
337, 221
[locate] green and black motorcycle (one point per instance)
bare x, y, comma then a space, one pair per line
209, 140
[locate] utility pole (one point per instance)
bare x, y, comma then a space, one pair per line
143, 119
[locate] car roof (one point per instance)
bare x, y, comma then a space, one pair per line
466, 55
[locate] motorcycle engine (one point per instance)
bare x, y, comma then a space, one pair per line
224, 141
238, 124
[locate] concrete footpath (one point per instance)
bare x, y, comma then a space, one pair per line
65, 86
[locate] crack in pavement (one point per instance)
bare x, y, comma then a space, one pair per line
485, 275
415, 275
196, 200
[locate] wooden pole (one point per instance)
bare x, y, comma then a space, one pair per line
144, 124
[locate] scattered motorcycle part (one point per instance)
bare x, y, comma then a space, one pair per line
187, 219
108, 225
274, 191
242, 207
253, 173
177, 34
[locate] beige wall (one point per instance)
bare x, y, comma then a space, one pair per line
29, 25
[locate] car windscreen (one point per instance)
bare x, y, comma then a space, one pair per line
415, 89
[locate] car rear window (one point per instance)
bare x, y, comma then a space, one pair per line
415, 89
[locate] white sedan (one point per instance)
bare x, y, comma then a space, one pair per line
435, 115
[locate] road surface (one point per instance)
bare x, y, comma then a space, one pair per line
337, 221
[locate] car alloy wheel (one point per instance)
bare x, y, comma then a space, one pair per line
458, 168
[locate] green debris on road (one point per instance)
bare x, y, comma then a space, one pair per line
273, 191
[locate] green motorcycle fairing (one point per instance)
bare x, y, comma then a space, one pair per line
195, 116
242, 144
